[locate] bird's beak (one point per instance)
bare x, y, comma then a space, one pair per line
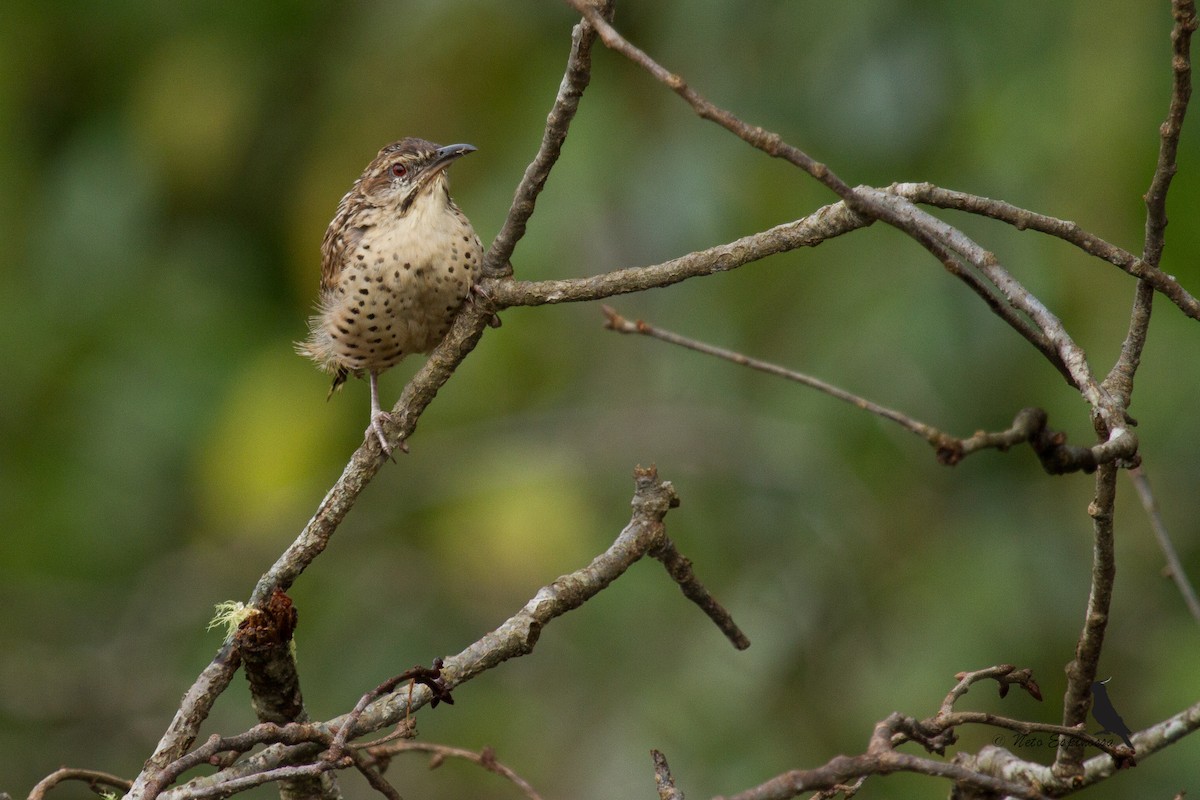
442, 158
445, 155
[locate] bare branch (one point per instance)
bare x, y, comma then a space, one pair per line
381, 754
663, 779
938, 238
193, 710
1001, 763
430, 678
199, 789
1120, 377
574, 81
292, 733
680, 570
881, 759
1052, 450
1050, 337
264, 641
517, 636
1004, 674
326, 746
618, 323
1081, 672
93, 778
824, 223
994, 772
1184, 12
1023, 219
367, 460
1174, 567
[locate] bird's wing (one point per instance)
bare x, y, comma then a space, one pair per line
338, 243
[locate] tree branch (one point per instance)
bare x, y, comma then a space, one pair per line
663, 780
380, 755
367, 460
93, 778
574, 81
644, 535
1120, 377
938, 238
1023, 219
1081, 672
825, 223
1057, 457
1174, 568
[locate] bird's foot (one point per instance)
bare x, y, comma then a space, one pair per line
479, 296
376, 427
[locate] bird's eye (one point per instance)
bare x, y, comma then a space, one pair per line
399, 169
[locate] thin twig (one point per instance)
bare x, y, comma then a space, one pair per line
1077, 734
680, 569
1184, 12
846, 790
373, 775
380, 754
663, 779
1004, 674
1067, 355
616, 322
1023, 219
92, 777
1120, 377
1081, 672
430, 678
823, 224
198, 790
1174, 567
1029, 425
574, 81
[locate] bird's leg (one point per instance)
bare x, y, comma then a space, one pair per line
378, 417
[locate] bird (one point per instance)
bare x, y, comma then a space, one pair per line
1106, 713
397, 261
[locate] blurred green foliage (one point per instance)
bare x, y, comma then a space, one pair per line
166, 174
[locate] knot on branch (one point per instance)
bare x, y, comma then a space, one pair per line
1059, 458
652, 497
264, 641
268, 628
1050, 446
934, 738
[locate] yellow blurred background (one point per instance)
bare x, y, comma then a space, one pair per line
166, 174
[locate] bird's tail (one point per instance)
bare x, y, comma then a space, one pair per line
339, 377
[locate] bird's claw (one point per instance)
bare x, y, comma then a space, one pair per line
479, 296
376, 427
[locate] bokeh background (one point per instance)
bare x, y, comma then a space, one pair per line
166, 174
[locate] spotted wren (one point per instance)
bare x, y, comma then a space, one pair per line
398, 260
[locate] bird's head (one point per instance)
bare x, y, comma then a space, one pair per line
405, 170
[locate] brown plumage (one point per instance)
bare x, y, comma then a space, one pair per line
398, 260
